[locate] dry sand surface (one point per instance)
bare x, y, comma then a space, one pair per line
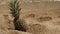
40, 17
